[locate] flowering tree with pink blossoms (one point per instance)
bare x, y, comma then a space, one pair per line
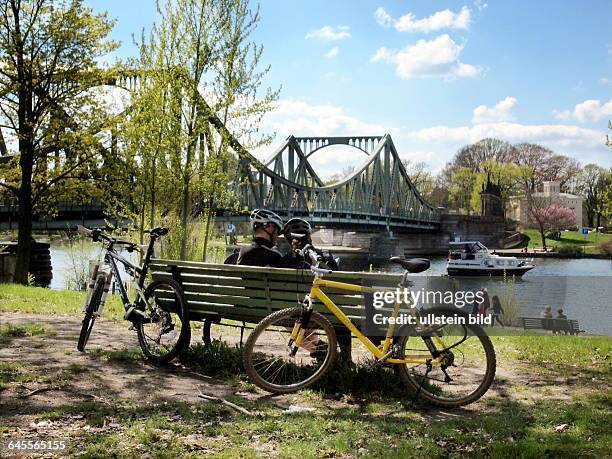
551, 219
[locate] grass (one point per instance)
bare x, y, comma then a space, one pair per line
8, 330
373, 418
38, 300
177, 429
568, 239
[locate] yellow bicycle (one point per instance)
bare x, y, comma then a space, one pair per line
446, 359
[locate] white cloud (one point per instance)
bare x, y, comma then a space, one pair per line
591, 110
435, 145
559, 137
382, 17
437, 58
480, 5
332, 53
328, 33
499, 112
605, 81
445, 19
301, 118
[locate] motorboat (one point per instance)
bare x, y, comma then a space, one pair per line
472, 258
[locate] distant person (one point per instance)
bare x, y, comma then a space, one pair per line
546, 313
475, 308
485, 304
230, 234
560, 314
497, 310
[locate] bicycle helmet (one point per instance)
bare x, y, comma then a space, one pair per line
298, 226
262, 217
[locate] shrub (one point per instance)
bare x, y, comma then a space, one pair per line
605, 247
570, 250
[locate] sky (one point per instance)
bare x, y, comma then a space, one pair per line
436, 75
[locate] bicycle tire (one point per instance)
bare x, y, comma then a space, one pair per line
410, 380
290, 315
90, 318
184, 337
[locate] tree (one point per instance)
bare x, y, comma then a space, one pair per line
48, 51
474, 155
592, 183
422, 179
460, 190
338, 176
197, 65
551, 219
507, 176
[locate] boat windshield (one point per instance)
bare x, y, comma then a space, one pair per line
468, 247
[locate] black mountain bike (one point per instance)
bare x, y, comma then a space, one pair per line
158, 313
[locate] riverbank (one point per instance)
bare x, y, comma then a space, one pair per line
519, 253
551, 397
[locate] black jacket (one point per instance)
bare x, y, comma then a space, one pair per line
259, 253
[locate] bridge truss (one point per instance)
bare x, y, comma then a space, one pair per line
378, 193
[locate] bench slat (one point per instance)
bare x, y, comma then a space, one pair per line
249, 293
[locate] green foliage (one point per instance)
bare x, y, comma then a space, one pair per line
505, 175
49, 51
462, 184
195, 65
220, 359
605, 247
570, 250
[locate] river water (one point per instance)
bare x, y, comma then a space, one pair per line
581, 287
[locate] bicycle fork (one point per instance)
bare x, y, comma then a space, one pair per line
299, 329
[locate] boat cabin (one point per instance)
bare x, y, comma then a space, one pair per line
466, 250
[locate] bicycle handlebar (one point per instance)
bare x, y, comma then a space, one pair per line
308, 252
96, 234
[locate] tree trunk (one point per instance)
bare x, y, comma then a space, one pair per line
590, 216
153, 177
184, 218
542, 234
206, 232
24, 238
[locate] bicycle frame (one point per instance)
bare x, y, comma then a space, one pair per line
381, 353
111, 258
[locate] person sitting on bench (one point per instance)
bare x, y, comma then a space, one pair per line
298, 232
266, 226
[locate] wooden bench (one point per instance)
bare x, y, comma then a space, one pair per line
218, 293
555, 325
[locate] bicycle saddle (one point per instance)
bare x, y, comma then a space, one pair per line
412, 265
159, 231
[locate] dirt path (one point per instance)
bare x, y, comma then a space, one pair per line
49, 362
51, 373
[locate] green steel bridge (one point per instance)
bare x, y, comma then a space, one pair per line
378, 194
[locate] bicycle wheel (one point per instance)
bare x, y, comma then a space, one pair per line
268, 359
92, 307
469, 360
165, 331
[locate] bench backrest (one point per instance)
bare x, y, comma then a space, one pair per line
549, 324
249, 293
